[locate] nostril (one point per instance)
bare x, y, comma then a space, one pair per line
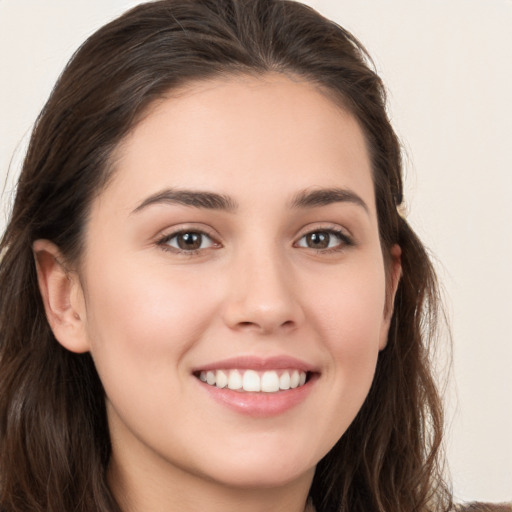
266, 326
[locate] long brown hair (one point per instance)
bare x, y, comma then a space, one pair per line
54, 439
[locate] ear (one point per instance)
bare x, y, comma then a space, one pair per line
393, 279
62, 297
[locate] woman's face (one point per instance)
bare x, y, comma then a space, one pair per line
238, 243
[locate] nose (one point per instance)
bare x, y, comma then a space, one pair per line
263, 295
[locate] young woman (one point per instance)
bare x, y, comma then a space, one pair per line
208, 297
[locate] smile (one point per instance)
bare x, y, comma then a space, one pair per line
269, 381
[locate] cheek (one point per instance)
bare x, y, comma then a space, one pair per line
143, 320
351, 308
350, 317
141, 326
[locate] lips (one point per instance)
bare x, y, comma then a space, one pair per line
259, 387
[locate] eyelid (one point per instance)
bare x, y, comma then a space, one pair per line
325, 226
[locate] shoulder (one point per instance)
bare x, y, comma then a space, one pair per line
484, 507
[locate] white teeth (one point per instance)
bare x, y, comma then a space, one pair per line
235, 380
251, 381
284, 380
221, 380
294, 379
269, 381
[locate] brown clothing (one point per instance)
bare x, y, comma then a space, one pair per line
484, 507
467, 507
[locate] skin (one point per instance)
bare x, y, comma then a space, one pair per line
150, 315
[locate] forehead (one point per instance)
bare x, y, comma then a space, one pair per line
243, 133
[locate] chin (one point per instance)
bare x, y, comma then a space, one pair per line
262, 468
262, 477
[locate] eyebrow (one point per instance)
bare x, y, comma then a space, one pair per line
194, 198
214, 201
326, 196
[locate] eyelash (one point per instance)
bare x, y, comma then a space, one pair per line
344, 241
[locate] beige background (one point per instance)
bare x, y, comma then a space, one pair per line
448, 68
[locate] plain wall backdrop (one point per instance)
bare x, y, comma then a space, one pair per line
448, 68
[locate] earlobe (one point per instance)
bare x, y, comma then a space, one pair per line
62, 296
393, 280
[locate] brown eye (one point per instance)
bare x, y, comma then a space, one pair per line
318, 240
189, 241
324, 239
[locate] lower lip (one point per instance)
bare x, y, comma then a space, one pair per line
261, 404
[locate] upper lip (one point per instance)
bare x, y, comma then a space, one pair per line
282, 362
